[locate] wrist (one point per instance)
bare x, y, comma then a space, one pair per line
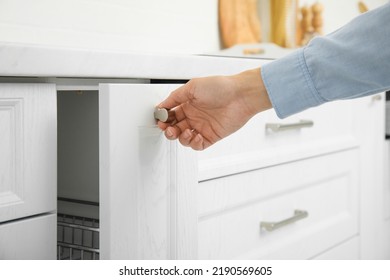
251, 89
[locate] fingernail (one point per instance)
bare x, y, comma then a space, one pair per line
169, 132
198, 138
187, 134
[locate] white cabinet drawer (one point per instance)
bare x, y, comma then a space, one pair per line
256, 146
28, 150
33, 238
348, 250
231, 209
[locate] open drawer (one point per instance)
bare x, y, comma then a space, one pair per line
290, 211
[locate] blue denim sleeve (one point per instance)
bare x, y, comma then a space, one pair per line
351, 62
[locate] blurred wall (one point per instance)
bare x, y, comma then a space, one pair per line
168, 26
174, 26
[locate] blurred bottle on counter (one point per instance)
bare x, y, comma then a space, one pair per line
239, 22
311, 22
287, 24
284, 22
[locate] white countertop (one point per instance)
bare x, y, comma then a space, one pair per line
23, 60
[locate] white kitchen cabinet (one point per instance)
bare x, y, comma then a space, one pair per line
159, 200
155, 202
28, 149
136, 195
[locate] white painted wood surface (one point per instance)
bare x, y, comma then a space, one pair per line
231, 209
29, 239
386, 199
147, 184
386, 241
369, 128
253, 146
386, 185
348, 250
28, 149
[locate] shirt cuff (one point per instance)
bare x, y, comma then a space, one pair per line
289, 84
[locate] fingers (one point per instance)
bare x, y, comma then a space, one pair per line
179, 96
191, 139
179, 128
173, 132
197, 143
163, 125
186, 136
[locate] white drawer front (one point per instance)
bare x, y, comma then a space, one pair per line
232, 208
349, 250
256, 146
29, 239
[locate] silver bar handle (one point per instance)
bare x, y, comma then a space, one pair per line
271, 226
285, 126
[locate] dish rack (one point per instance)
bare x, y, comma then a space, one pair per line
77, 238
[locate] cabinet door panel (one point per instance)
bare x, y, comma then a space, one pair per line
146, 181
28, 149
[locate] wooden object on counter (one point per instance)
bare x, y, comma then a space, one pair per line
283, 22
239, 22
312, 22
307, 17
362, 7
298, 26
253, 51
317, 21
278, 26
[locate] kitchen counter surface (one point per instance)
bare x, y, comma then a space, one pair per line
24, 60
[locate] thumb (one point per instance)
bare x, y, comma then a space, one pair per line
177, 97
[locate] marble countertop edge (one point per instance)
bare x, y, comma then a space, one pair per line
28, 60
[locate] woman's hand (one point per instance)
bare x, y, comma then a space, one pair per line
211, 108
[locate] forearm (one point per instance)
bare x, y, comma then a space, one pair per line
354, 61
250, 87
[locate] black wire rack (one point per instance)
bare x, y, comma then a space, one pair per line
77, 238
